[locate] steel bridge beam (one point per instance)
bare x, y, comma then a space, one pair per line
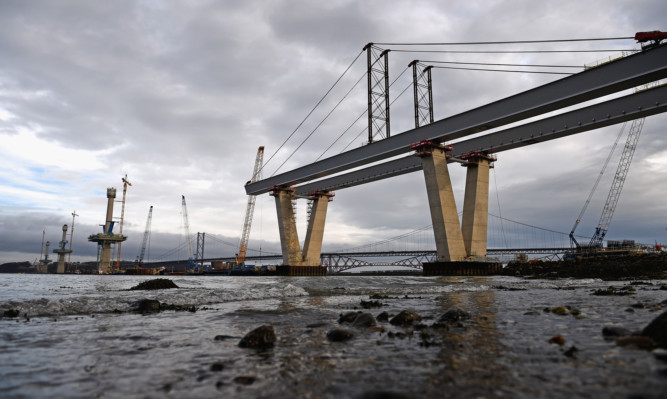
633, 106
625, 73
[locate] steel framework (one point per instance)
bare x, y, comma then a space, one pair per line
422, 86
378, 91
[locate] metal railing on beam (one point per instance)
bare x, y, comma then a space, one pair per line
633, 106
625, 73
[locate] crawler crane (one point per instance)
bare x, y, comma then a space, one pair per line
616, 186
250, 209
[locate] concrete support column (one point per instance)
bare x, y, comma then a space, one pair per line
105, 259
445, 219
476, 205
289, 239
312, 247
61, 251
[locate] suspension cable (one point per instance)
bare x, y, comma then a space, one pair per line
312, 110
493, 64
507, 42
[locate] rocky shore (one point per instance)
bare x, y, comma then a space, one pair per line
647, 266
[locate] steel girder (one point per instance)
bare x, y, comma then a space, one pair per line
625, 73
633, 106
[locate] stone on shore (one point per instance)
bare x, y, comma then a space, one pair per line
453, 315
11, 313
405, 318
156, 284
260, 338
615, 332
657, 330
147, 306
339, 335
348, 317
364, 320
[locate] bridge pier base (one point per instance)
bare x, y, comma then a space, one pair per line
476, 205
446, 226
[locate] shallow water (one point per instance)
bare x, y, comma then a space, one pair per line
81, 339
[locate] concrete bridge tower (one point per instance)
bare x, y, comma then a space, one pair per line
106, 238
61, 251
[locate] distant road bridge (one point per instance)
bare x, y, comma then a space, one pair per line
458, 240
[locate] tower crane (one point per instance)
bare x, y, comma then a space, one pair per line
616, 185
250, 209
122, 216
188, 241
147, 234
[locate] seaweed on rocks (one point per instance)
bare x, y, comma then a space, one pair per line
155, 284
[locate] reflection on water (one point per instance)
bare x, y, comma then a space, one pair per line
81, 339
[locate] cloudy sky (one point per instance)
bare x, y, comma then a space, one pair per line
179, 95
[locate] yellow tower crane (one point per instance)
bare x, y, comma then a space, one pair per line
250, 209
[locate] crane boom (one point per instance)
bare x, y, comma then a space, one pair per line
122, 217
617, 185
147, 234
250, 208
573, 241
186, 226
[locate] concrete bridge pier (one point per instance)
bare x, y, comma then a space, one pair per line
446, 227
476, 204
296, 261
312, 247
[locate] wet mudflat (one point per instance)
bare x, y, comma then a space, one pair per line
85, 337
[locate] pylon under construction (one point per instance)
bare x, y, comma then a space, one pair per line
107, 237
61, 251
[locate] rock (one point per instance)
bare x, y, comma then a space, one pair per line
405, 318
260, 338
11, 313
557, 339
347, 317
657, 330
660, 354
339, 335
222, 337
571, 352
156, 284
364, 320
615, 332
382, 317
245, 380
454, 315
560, 310
147, 306
370, 304
217, 367
639, 341
378, 296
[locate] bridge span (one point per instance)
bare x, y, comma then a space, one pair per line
444, 141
